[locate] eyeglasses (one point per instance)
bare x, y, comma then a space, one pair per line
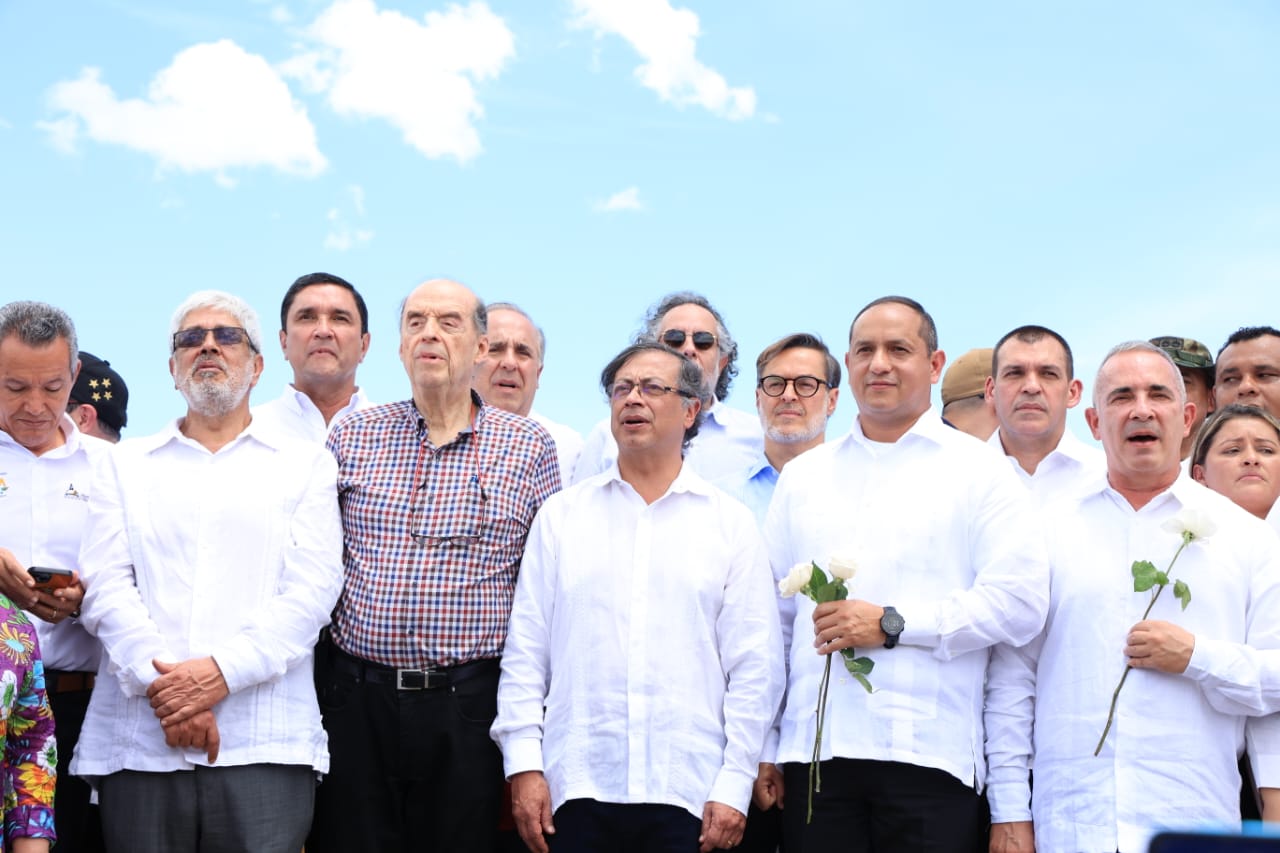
223, 336
806, 386
674, 338
622, 389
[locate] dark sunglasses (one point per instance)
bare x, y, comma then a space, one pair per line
674, 338
223, 336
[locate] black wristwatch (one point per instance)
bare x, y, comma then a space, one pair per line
892, 624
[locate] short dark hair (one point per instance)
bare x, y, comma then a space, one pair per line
800, 340
1247, 333
315, 278
688, 380
928, 329
1211, 427
724, 340
1032, 334
38, 324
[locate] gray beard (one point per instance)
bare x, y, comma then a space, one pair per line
214, 399
776, 435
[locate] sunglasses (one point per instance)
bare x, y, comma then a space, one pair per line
674, 338
223, 336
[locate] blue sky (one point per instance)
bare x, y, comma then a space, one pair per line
1109, 170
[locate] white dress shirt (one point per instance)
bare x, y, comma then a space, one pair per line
940, 529
728, 441
649, 633
568, 445
44, 502
1273, 517
1170, 757
1069, 466
296, 416
235, 554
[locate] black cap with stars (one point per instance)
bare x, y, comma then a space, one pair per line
104, 389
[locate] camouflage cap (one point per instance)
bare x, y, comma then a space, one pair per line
1185, 352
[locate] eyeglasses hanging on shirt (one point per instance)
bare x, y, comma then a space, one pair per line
442, 513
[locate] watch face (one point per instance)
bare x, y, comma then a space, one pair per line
892, 623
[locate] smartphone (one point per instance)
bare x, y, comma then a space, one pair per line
1192, 842
48, 579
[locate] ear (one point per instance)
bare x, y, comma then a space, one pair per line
75, 374
173, 371
832, 396
1075, 390
989, 388
724, 362
691, 412
1197, 473
257, 368
85, 417
1188, 417
364, 345
482, 348
936, 362
283, 336
1091, 418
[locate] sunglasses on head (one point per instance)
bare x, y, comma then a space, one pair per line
223, 336
674, 338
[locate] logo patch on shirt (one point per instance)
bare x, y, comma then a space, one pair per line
4, 487
73, 494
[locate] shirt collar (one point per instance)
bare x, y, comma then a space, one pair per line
73, 441
928, 427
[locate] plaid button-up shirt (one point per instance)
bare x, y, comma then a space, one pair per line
433, 536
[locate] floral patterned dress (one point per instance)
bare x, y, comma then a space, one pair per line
26, 731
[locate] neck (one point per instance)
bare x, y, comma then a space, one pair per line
882, 431
329, 398
650, 476
1030, 452
444, 412
780, 453
215, 432
1139, 493
1187, 443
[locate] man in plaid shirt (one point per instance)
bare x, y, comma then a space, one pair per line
437, 494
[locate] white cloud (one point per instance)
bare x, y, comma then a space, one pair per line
628, 199
666, 39
343, 236
216, 107
420, 77
280, 15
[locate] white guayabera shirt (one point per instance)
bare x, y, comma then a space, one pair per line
650, 635
235, 554
293, 415
1065, 469
1170, 757
940, 529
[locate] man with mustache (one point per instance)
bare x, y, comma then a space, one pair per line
1032, 386
1199, 669
211, 562
324, 334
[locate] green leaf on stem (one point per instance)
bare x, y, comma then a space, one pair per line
1182, 592
817, 580
1144, 575
834, 591
862, 679
857, 665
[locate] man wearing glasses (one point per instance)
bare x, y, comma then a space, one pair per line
437, 494
728, 440
797, 385
644, 661
211, 562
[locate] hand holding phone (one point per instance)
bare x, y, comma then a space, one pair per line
49, 579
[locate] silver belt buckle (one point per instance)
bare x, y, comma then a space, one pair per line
420, 679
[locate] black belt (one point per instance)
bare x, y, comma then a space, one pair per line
430, 678
63, 681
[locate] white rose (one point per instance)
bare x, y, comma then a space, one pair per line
1191, 524
842, 568
796, 580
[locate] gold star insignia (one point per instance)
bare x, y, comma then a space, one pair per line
107, 395
106, 383
96, 396
93, 383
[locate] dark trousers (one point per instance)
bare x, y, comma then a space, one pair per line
76, 821
589, 826
764, 831
409, 770
253, 808
882, 806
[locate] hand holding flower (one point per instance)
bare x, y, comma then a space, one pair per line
846, 624
1155, 644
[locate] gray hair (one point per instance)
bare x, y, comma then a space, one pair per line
688, 381
1138, 346
724, 340
511, 306
38, 324
218, 300
479, 317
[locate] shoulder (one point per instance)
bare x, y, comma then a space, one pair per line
499, 422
